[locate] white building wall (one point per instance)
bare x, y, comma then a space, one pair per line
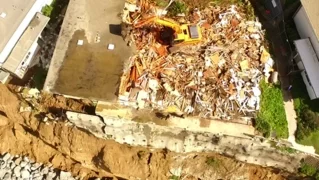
308, 62
305, 29
17, 34
309, 88
24, 65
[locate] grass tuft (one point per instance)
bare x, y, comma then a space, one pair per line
272, 116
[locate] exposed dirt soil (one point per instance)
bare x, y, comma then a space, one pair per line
71, 149
57, 104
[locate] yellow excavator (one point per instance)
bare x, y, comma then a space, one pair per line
175, 33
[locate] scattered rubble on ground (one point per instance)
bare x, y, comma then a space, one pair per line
49, 40
46, 52
217, 78
49, 106
18, 167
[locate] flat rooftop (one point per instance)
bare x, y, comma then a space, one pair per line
12, 12
25, 42
89, 70
310, 62
312, 10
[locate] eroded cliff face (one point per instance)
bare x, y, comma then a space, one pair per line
78, 151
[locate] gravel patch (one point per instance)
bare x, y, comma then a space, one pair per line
16, 167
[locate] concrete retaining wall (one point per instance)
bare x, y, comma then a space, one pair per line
248, 150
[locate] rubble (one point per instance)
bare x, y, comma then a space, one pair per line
47, 49
48, 107
218, 78
18, 167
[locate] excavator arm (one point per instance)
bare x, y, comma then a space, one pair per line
181, 35
162, 21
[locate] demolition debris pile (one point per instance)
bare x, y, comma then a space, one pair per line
216, 78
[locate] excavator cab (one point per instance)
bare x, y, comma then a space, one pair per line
194, 31
189, 33
173, 33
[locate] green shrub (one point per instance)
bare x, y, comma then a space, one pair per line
307, 122
46, 10
311, 119
307, 114
287, 150
301, 131
250, 15
177, 8
311, 140
316, 175
308, 170
301, 97
263, 127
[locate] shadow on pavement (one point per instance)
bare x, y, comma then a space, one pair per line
115, 29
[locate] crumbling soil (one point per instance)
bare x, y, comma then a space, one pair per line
75, 150
56, 104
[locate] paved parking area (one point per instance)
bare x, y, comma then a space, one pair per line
89, 70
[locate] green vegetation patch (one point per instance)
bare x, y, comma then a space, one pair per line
54, 10
47, 10
272, 116
286, 149
309, 170
311, 140
282, 148
307, 114
177, 7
